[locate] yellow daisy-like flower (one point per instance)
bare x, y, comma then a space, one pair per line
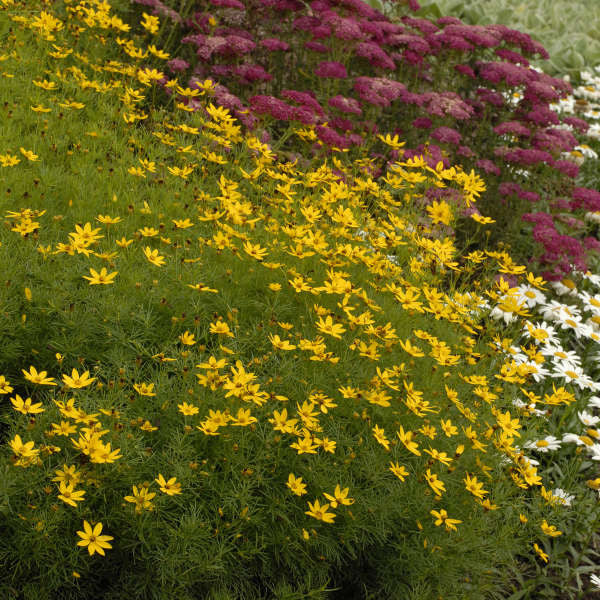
340, 497
76, 380
296, 484
171, 487
187, 338
25, 406
144, 389
102, 278
69, 495
154, 257
221, 328
398, 470
39, 378
320, 512
440, 212
188, 409
28, 154
93, 540
540, 553
330, 328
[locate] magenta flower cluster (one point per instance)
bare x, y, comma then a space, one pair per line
454, 92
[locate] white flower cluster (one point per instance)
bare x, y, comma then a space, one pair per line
559, 343
584, 103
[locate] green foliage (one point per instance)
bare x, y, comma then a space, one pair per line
351, 269
568, 30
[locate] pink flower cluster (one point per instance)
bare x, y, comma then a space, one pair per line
345, 69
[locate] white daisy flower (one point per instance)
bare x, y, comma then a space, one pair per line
498, 314
591, 303
564, 498
587, 151
572, 438
575, 324
552, 310
530, 295
538, 372
573, 374
562, 290
592, 278
561, 356
587, 418
541, 333
594, 451
592, 114
546, 444
593, 217
594, 131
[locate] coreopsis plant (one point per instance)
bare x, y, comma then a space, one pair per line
287, 388
455, 92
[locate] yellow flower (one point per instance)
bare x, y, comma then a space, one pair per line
540, 553
102, 278
305, 445
481, 219
182, 224
550, 529
171, 488
141, 498
154, 257
392, 142
448, 428
25, 452
123, 242
398, 470
39, 378
201, 287
330, 328
221, 328
473, 486
255, 251
406, 439
187, 338
320, 512
28, 154
243, 418
379, 434
76, 380
441, 517
150, 23
147, 426
410, 349
188, 409
68, 475
5, 387
183, 172
437, 485
108, 220
440, 212
65, 428
144, 389
296, 485
340, 497
93, 540
69, 495
281, 344
25, 406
